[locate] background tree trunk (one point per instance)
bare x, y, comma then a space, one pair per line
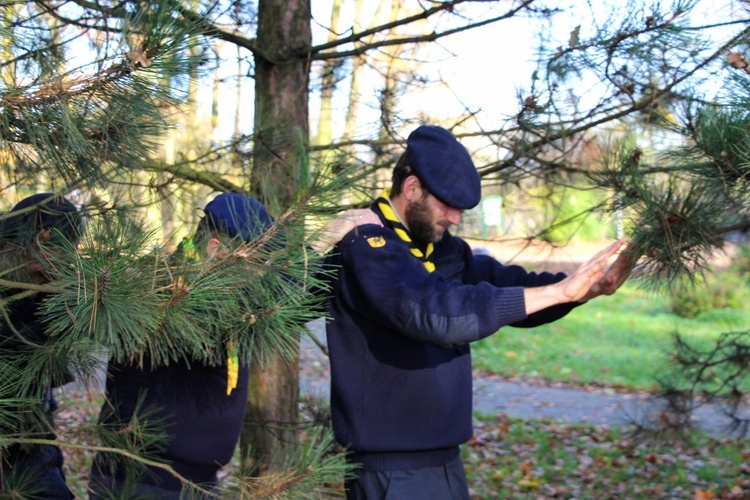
281, 136
328, 82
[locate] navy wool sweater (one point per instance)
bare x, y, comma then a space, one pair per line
43, 463
398, 336
200, 421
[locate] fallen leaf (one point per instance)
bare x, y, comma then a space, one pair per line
528, 483
703, 495
526, 467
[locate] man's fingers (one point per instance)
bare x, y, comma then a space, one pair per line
611, 249
599, 261
362, 216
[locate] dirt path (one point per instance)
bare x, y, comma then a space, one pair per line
493, 395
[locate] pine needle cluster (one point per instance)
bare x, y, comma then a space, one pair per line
118, 292
80, 125
310, 470
682, 202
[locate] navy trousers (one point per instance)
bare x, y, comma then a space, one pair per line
446, 482
102, 487
35, 471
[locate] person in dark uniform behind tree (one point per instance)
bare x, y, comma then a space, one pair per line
202, 406
408, 300
32, 229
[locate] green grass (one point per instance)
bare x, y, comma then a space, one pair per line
621, 341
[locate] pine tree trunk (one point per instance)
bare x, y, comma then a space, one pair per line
281, 136
281, 100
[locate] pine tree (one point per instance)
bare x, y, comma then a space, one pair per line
91, 132
94, 129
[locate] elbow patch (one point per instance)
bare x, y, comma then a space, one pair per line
439, 329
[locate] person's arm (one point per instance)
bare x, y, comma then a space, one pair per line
337, 227
380, 279
590, 280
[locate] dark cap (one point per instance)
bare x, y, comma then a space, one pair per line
44, 211
444, 166
238, 215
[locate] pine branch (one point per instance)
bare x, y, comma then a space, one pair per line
742, 227
118, 451
54, 92
618, 113
33, 287
302, 472
212, 180
319, 54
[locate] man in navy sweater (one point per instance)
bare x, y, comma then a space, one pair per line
408, 299
201, 417
28, 235
202, 414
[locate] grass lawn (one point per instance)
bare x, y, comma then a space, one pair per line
621, 341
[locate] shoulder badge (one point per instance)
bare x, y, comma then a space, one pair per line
376, 241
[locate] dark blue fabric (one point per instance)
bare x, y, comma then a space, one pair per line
38, 467
106, 488
444, 166
35, 471
201, 421
28, 322
444, 482
238, 215
50, 212
401, 379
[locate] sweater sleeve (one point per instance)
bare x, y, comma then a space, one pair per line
483, 267
381, 280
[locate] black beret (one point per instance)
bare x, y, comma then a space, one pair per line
43, 211
444, 166
238, 215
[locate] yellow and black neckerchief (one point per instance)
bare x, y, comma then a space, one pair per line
394, 222
233, 362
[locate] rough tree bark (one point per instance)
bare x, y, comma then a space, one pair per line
281, 136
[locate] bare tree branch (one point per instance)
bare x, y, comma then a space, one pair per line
318, 53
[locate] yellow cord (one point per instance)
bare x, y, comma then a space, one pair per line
233, 362
402, 232
233, 367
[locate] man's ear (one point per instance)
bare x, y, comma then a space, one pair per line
212, 247
43, 236
412, 188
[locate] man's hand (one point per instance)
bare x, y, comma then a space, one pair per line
336, 228
615, 276
589, 280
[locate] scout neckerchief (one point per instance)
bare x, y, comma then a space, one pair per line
233, 364
394, 222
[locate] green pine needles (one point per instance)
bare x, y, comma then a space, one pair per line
122, 294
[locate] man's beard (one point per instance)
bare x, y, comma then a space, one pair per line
420, 224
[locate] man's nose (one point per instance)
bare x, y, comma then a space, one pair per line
454, 216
